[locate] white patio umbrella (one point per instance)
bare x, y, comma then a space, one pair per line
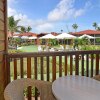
32, 37
15, 36
25, 37
88, 36
65, 36
48, 36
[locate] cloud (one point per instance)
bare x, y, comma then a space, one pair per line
10, 1
64, 10
11, 12
39, 25
24, 20
46, 27
88, 5
99, 24
81, 11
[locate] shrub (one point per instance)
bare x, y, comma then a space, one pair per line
14, 51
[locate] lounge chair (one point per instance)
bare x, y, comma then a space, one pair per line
40, 48
14, 90
52, 49
46, 48
61, 48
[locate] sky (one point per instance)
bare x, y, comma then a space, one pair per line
55, 15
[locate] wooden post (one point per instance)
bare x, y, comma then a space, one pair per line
3, 46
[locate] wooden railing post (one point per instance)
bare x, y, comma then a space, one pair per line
48, 72
42, 76
7, 69
15, 69
71, 62
92, 62
82, 62
87, 65
29, 75
77, 64
60, 66
21, 68
54, 68
97, 64
66, 65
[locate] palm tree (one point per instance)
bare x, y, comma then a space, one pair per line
22, 29
98, 28
25, 29
28, 29
13, 25
61, 30
95, 25
75, 26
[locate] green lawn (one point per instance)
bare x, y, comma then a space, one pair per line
30, 48
34, 48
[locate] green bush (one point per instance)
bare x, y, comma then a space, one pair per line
98, 40
90, 47
14, 51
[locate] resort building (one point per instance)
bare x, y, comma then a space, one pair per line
94, 33
26, 34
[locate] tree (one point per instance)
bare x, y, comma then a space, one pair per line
61, 30
28, 29
75, 26
25, 29
95, 25
22, 29
13, 25
98, 28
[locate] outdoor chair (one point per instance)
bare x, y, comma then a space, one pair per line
52, 49
97, 77
67, 47
40, 48
61, 48
46, 48
14, 90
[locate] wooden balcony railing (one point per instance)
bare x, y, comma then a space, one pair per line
51, 65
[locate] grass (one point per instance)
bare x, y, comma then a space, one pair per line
30, 48
34, 48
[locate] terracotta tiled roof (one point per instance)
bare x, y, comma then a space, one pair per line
54, 33
86, 32
41, 34
26, 34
